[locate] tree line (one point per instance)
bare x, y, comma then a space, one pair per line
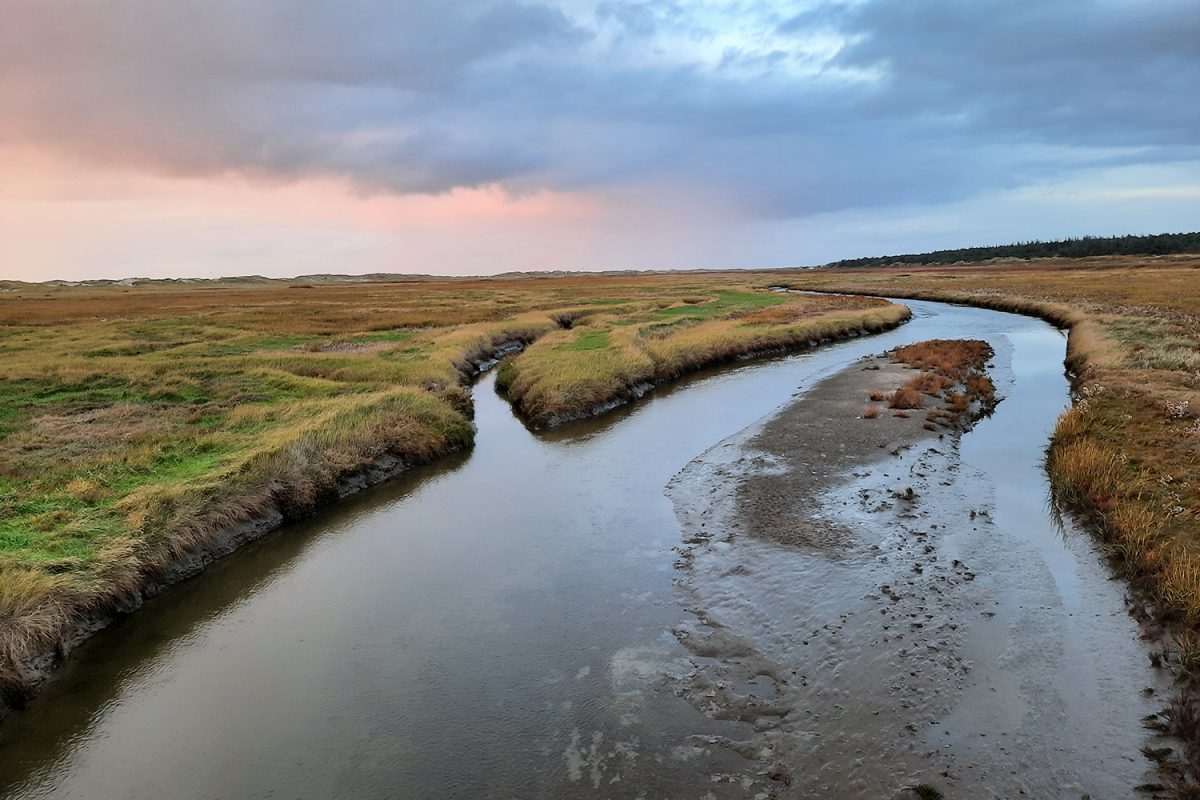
1082, 247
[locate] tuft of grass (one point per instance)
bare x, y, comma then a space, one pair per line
946, 365
927, 791
906, 398
949, 358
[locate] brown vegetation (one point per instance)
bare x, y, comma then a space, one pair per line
907, 398
946, 365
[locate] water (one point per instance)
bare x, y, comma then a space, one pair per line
498, 625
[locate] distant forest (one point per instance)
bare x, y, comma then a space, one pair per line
1084, 247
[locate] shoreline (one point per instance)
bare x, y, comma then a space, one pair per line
1092, 494
43, 661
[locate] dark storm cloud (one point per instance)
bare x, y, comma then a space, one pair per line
785, 111
1106, 73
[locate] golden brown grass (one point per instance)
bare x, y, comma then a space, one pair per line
906, 398
945, 364
955, 359
138, 424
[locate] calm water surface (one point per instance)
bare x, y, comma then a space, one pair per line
494, 626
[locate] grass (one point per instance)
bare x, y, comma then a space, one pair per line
609, 357
139, 422
906, 398
952, 371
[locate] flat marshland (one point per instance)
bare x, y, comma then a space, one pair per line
1127, 454
138, 423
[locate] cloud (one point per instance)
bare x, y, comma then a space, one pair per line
780, 110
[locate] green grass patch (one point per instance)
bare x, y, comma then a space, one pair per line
175, 464
249, 344
726, 304
589, 340
400, 335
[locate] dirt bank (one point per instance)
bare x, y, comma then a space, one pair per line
856, 602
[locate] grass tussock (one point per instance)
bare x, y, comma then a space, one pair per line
951, 373
955, 359
906, 398
139, 425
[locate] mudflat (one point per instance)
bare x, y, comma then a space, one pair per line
857, 600
816, 441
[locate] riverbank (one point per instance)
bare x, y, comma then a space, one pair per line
886, 613
1123, 458
138, 446
38, 643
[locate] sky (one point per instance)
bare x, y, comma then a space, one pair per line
217, 137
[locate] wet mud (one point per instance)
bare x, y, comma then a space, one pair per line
860, 602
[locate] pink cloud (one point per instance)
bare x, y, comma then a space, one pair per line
73, 220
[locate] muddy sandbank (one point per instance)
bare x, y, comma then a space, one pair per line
856, 602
